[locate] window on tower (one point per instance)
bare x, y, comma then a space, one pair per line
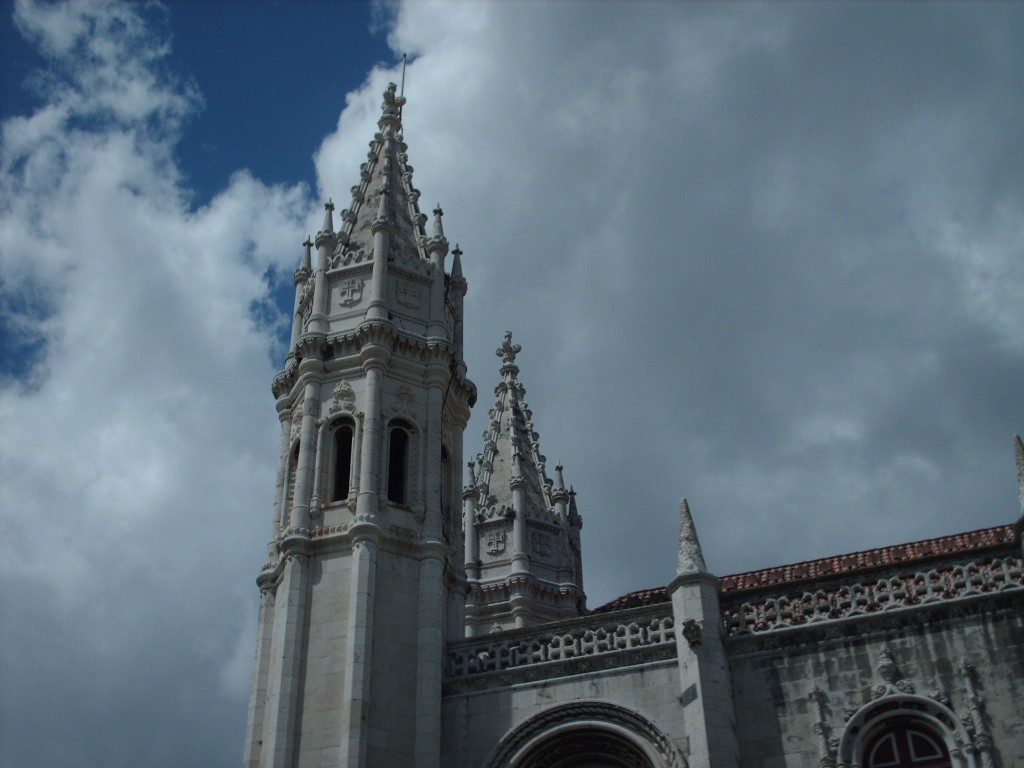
398, 462
341, 474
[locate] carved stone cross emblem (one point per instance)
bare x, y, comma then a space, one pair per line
496, 542
408, 295
351, 291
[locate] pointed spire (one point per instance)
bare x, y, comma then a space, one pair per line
574, 513
328, 226
457, 266
559, 480
691, 559
438, 228
306, 265
326, 233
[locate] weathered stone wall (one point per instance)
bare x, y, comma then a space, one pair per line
783, 723
496, 684
324, 678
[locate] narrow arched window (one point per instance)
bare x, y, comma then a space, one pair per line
289, 498
398, 463
341, 474
446, 483
905, 743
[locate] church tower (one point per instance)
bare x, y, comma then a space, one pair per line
522, 530
364, 582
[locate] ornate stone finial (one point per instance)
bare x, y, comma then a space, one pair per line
438, 229
391, 109
559, 481
508, 351
307, 255
326, 232
691, 559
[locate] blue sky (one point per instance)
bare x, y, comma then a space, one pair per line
767, 257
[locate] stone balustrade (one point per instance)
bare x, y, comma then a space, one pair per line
559, 643
767, 612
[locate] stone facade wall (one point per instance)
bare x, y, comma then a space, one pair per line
323, 683
497, 684
796, 690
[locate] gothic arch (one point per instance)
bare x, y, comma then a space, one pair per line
937, 717
550, 739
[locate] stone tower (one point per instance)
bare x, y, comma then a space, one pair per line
364, 582
522, 530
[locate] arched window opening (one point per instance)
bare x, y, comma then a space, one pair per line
341, 476
906, 743
398, 463
289, 499
446, 485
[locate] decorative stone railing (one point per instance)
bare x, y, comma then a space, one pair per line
564, 642
768, 612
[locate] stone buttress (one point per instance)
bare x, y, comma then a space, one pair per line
364, 581
522, 530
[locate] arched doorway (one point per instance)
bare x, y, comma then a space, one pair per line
585, 748
586, 734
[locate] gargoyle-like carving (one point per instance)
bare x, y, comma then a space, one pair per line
692, 633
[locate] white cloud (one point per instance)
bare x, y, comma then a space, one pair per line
766, 257
138, 462
713, 230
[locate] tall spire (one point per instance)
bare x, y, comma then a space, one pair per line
385, 195
524, 525
691, 559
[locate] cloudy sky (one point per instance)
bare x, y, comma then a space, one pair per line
767, 257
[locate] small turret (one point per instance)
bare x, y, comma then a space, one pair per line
524, 528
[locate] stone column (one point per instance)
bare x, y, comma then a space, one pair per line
258, 695
430, 655
706, 691
359, 647
287, 644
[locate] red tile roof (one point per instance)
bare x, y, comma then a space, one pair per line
636, 599
870, 558
984, 538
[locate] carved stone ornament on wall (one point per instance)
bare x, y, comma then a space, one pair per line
343, 398
350, 292
495, 542
541, 543
306, 304
407, 294
406, 402
887, 670
692, 633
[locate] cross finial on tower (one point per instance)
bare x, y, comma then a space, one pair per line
508, 351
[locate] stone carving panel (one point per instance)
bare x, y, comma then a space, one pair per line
942, 583
573, 642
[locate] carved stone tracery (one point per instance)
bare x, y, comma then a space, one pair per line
767, 612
